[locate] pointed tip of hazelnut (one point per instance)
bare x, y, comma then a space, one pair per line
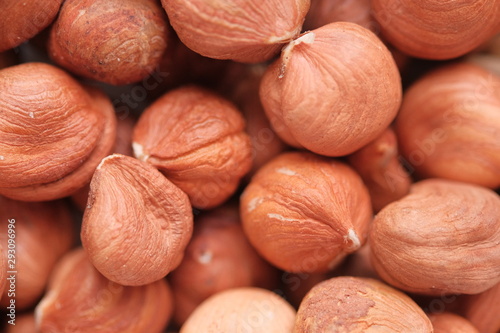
352, 240
139, 151
307, 38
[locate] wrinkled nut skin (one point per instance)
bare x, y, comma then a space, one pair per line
305, 213
482, 309
137, 224
323, 12
238, 30
197, 140
53, 134
117, 42
80, 299
249, 309
442, 238
447, 322
218, 246
353, 304
333, 90
449, 125
22, 20
43, 233
379, 166
434, 29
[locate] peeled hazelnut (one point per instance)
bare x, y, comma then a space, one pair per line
137, 224
196, 139
333, 90
43, 232
350, 304
323, 12
116, 42
79, 299
53, 132
22, 20
251, 310
442, 238
482, 309
449, 125
218, 257
446, 322
379, 166
434, 29
240, 30
305, 213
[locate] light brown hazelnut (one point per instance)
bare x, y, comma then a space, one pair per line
53, 134
333, 90
238, 30
117, 42
353, 304
305, 213
22, 20
196, 139
434, 29
80, 299
449, 125
379, 165
137, 224
34, 235
251, 310
482, 309
447, 322
442, 238
218, 257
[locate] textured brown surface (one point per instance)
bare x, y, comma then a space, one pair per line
355, 305
442, 238
79, 299
333, 90
304, 213
246, 31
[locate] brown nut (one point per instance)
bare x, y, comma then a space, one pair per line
251, 310
112, 41
240, 30
218, 257
482, 309
137, 224
34, 235
442, 238
305, 213
447, 322
434, 29
196, 139
22, 20
80, 299
323, 12
379, 165
333, 90
449, 125
353, 304
53, 132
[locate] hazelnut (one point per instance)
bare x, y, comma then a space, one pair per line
434, 29
22, 20
442, 238
353, 304
446, 322
333, 90
79, 299
53, 134
137, 224
449, 125
218, 257
305, 213
196, 139
240, 30
43, 233
482, 309
113, 41
323, 12
379, 166
251, 310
